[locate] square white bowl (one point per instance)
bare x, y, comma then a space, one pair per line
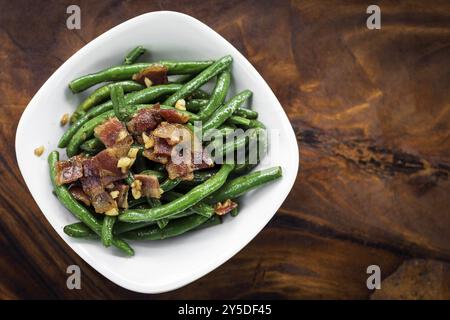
157, 266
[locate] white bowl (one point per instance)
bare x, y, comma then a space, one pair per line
161, 265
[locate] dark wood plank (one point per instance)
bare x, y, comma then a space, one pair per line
371, 110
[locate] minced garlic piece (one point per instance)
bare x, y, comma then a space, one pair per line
114, 194
132, 153
136, 189
64, 119
39, 151
149, 142
148, 82
180, 104
124, 164
112, 212
122, 135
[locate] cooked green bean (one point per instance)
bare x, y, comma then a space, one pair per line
218, 95
236, 187
199, 80
173, 229
225, 111
199, 177
245, 122
144, 96
107, 230
133, 55
195, 105
169, 184
92, 146
119, 105
80, 230
158, 174
199, 94
77, 209
101, 94
186, 201
234, 212
200, 208
125, 72
246, 113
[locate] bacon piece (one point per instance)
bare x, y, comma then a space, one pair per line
173, 133
149, 185
156, 73
160, 152
77, 192
106, 164
70, 170
119, 192
144, 120
174, 116
104, 203
225, 207
112, 133
184, 171
202, 160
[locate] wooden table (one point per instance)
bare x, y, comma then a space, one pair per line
371, 109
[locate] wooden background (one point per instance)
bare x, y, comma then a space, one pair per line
371, 110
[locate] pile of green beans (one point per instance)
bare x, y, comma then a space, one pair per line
184, 205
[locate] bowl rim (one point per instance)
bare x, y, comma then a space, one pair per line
180, 281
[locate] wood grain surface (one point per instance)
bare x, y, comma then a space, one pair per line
371, 110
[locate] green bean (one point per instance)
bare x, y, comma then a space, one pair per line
199, 177
199, 80
234, 212
92, 146
243, 168
169, 184
101, 94
118, 102
183, 78
133, 55
218, 95
199, 94
200, 208
173, 229
246, 113
225, 111
236, 187
79, 230
245, 122
158, 174
107, 230
195, 105
125, 72
139, 97
186, 201
77, 209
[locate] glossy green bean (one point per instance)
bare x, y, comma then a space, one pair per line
107, 230
92, 146
245, 122
199, 80
199, 177
119, 104
200, 208
237, 187
125, 72
77, 209
218, 95
133, 55
144, 96
79, 230
225, 111
246, 113
173, 229
169, 184
186, 201
101, 94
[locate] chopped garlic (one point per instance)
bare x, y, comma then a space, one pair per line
149, 142
124, 164
180, 105
112, 212
132, 153
64, 119
148, 82
136, 189
114, 194
122, 135
39, 151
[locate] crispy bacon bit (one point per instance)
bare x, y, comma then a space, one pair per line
144, 120
174, 116
78, 193
156, 73
184, 171
106, 163
119, 192
112, 133
149, 185
104, 203
149, 154
173, 133
69, 171
225, 207
202, 160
